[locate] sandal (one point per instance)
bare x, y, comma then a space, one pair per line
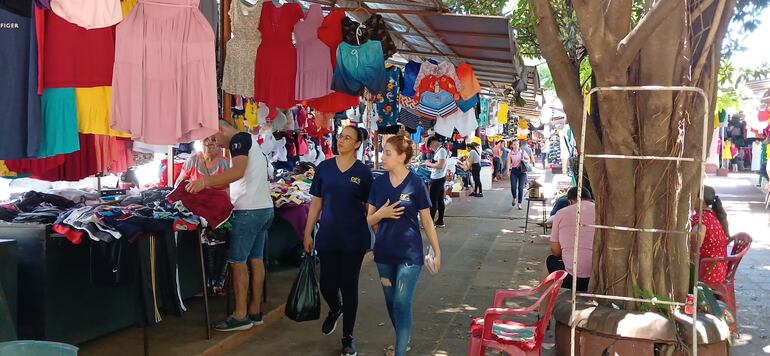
391, 350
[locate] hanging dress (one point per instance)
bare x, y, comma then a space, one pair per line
89, 14
276, 65
314, 63
330, 33
164, 86
20, 119
238, 78
374, 28
60, 122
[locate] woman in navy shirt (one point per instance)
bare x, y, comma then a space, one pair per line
340, 190
395, 201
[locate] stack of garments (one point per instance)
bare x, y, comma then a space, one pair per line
293, 190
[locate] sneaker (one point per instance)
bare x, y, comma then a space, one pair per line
479, 195
233, 324
472, 195
440, 224
257, 319
330, 324
348, 347
518, 206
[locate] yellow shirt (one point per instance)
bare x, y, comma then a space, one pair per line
94, 111
5, 172
502, 114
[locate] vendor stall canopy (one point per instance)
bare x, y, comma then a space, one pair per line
426, 29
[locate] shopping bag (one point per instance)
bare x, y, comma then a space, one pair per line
304, 303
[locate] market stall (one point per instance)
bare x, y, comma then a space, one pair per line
116, 89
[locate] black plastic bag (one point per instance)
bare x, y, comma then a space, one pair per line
304, 303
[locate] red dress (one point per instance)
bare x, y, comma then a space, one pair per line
330, 33
275, 69
714, 245
75, 57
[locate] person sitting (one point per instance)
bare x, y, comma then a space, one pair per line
563, 240
558, 204
712, 237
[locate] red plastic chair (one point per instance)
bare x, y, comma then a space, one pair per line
513, 337
726, 290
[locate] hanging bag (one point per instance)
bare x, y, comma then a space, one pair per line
304, 302
525, 166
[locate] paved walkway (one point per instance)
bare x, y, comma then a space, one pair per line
484, 249
746, 212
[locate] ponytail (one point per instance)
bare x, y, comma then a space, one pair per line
719, 210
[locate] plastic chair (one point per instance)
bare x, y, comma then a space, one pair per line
37, 348
513, 337
726, 290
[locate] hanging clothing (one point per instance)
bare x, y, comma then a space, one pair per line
470, 104
164, 87
411, 70
21, 8
387, 101
330, 33
60, 122
210, 10
314, 64
469, 81
19, 100
374, 28
432, 105
483, 116
238, 77
93, 111
359, 67
126, 6
430, 82
89, 14
276, 65
410, 119
439, 70
76, 57
502, 114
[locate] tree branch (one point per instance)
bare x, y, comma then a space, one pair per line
593, 27
618, 16
629, 47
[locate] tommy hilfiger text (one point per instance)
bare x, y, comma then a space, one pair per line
9, 25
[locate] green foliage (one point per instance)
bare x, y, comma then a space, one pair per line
477, 7
667, 310
731, 78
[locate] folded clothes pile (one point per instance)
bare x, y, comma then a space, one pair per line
293, 190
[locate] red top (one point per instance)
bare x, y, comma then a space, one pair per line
445, 83
75, 57
330, 33
714, 245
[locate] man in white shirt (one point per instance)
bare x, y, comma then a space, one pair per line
438, 178
252, 216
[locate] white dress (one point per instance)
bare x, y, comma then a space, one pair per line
756, 156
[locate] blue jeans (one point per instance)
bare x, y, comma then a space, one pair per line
398, 284
249, 233
518, 181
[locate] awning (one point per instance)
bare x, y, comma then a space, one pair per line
425, 29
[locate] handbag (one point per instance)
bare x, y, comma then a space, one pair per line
304, 302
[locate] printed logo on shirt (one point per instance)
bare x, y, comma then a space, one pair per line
9, 25
355, 180
236, 146
405, 197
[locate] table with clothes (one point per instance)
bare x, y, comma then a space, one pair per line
133, 260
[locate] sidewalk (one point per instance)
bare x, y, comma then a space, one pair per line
746, 212
484, 249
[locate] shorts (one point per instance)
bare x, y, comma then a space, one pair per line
467, 105
411, 120
554, 264
249, 233
359, 67
432, 105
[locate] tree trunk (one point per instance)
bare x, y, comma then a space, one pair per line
671, 45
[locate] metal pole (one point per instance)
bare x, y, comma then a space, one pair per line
205, 284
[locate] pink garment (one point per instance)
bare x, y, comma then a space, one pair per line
515, 158
89, 13
314, 63
563, 232
164, 79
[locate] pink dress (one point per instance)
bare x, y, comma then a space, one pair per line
314, 62
164, 79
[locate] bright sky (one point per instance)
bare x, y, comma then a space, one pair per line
758, 47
